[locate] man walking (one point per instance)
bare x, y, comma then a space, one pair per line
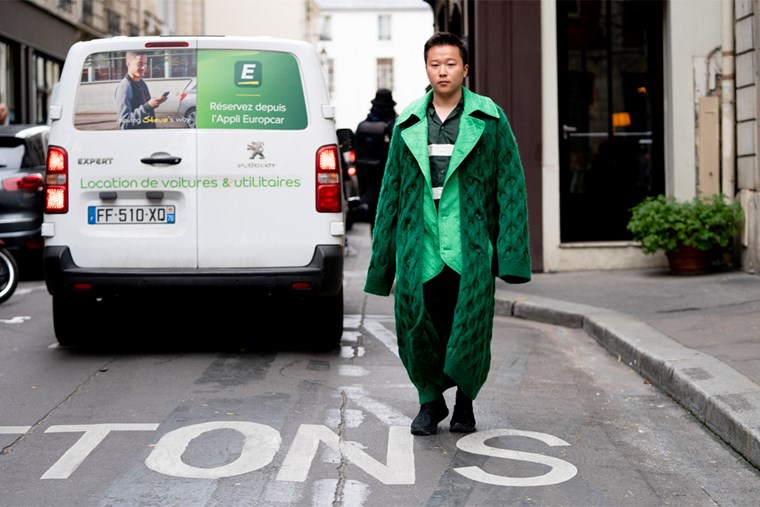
373, 137
452, 216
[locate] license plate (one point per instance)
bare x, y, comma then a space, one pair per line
131, 215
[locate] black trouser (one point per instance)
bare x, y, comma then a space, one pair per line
440, 296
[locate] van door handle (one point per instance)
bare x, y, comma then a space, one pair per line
161, 159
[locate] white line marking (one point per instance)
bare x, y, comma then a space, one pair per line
16, 320
14, 430
382, 333
383, 412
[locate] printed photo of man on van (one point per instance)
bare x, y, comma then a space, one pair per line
136, 107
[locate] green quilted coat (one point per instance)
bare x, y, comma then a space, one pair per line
486, 185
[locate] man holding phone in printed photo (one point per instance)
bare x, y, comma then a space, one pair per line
136, 108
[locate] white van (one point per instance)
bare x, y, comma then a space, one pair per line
203, 167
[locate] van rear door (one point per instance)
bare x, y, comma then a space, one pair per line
133, 181
260, 126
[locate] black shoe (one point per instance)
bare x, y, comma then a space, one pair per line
431, 413
463, 420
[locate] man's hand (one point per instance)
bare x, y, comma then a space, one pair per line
157, 101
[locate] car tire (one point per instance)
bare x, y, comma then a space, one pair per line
8, 275
327, 317
72, 320
191, 118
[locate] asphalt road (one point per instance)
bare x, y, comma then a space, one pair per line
560, 421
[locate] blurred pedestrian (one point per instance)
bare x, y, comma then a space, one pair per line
5, 117
371, 142
452, 216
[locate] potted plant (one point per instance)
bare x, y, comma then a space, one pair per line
690, 233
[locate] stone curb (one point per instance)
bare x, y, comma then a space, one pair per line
723, 399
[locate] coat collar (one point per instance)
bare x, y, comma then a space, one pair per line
472, 103
413, 125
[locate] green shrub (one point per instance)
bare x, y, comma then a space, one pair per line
705, 223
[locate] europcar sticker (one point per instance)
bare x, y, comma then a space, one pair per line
187, 88
250, 90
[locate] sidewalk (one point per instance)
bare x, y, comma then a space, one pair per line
695, 337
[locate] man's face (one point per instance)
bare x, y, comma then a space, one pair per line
136, 66
445, 70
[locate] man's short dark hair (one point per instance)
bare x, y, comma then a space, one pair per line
447, 39
130, 54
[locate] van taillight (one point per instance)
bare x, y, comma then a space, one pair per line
329, 194
57, 181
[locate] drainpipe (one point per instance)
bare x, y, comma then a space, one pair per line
728, 116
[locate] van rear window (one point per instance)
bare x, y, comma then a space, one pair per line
185, 88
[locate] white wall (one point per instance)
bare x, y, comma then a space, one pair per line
692, 29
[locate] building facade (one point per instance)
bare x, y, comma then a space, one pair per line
746, 39
370, 45
616, 100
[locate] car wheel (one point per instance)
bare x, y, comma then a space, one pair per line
8, 275
328, 320
73, 319
190, 115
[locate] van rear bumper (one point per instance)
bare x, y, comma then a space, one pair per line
323, 276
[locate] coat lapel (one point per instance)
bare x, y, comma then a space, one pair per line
470, 130
415, 138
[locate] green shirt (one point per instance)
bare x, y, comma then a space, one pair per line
442, 136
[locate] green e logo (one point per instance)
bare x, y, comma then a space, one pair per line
248, 74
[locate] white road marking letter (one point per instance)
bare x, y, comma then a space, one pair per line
261, 444
400, 457
475, 443
93, 435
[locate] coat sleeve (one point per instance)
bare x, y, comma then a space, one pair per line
512, 242
382, 264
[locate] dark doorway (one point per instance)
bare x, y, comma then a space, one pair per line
610, 114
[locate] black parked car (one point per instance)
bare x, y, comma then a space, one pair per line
23, 149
